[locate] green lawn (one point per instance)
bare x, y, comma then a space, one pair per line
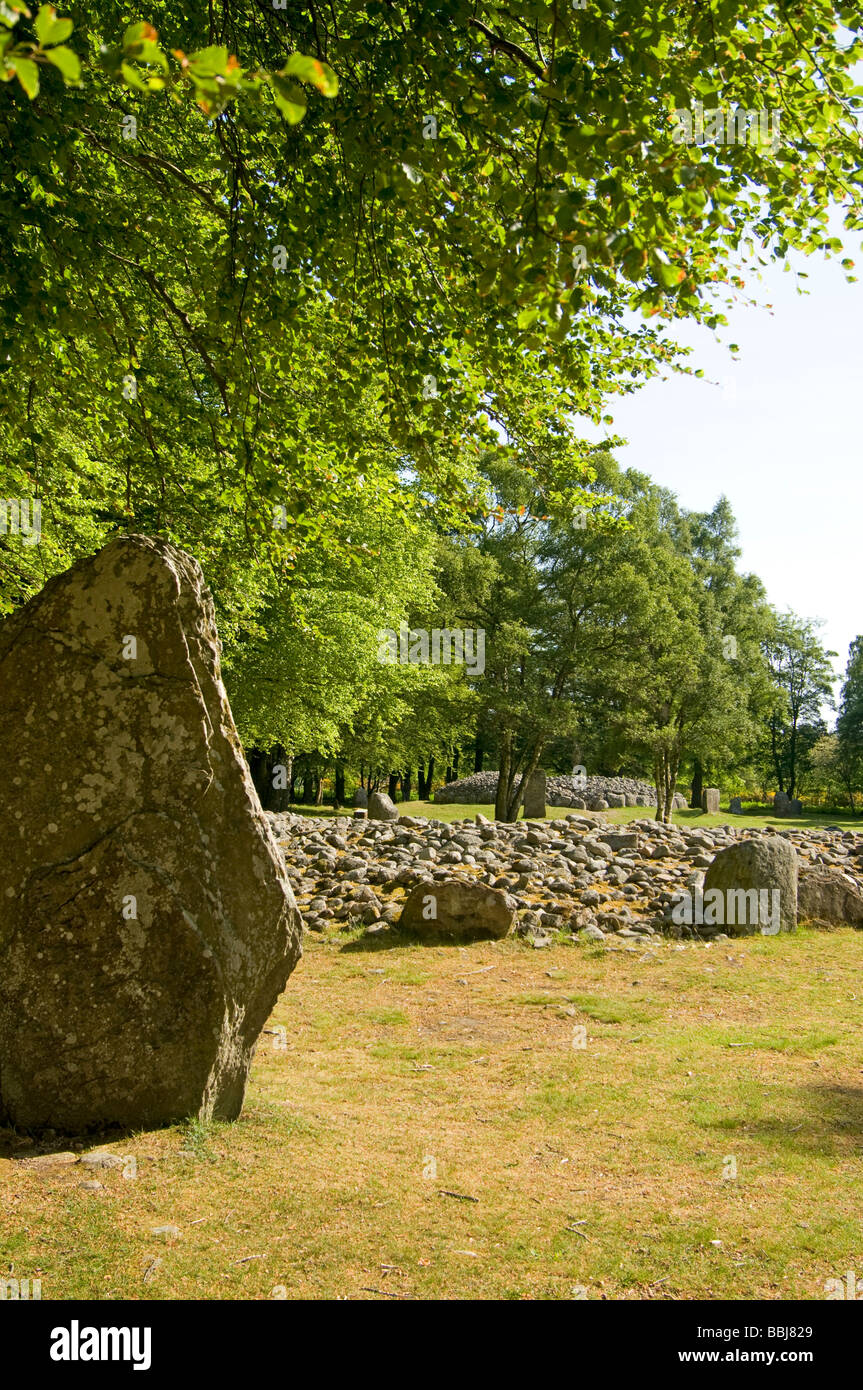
448, 813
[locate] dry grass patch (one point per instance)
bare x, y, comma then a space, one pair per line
410, 1080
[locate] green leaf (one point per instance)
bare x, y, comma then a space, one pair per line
139, 33
67, 62
209, 62
148, 52
310, 70
290, 99
27, 74
670, 275
133, 78
50, 29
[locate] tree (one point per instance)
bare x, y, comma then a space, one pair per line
255, 261
802, 678
834, 771
734, 618
849, 725
458, 209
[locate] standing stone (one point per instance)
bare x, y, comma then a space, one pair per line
768, 864
147, 923
534, 796
710, 801
361, 799
734, 806
781, 804
381, 807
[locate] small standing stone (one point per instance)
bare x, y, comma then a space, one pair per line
361, 799
710, 801
735, 807
534, 797
381, 807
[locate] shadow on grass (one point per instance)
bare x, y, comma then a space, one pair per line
828, 1121
19, 1144
388, 940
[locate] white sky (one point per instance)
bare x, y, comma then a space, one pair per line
780, 437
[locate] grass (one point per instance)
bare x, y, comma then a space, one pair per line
619, 816
705, 1143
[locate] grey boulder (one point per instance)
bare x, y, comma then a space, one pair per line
381, 807
826, 895
458, 908
742, 873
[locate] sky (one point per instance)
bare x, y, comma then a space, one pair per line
779, 435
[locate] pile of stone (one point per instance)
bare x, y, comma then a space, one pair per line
576, 875
578, 793
603, 793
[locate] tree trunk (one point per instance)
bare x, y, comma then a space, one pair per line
660, 777
319, 798
777, 761
278, 798
792, 772
697, 785
406, 784
516, 796
671, 783
665, 765
422, 785
501, 801
429, 779
392, 785
339, 794
257, 761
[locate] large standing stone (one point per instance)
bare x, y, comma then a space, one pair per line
147, 924
767, 864
534, 796
457, 907
710, 801
382, 807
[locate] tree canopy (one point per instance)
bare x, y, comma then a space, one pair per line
278, 279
